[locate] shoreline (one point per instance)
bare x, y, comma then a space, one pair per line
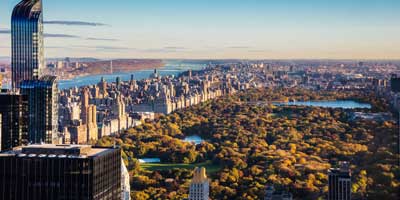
97, 74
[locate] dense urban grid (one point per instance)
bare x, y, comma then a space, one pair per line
236, 129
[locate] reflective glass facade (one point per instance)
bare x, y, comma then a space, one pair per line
61, 177
27, 41
14, 120
43, 109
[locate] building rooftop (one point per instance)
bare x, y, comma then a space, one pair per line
60, 151
343, 170
28, 8
199, 175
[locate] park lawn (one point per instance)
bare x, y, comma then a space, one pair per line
211, 168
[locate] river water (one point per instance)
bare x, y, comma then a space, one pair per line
171, 67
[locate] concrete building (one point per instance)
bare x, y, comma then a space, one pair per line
78, 133
92, 130
200, 186
339, 182
125, 182
272, 194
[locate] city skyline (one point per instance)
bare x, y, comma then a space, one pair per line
216, 30
258, 128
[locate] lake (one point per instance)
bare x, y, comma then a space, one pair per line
171, 67
194, 139
345, 104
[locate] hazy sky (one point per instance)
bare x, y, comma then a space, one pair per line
217, 28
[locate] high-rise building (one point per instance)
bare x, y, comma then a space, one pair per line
78, 132
125, 183
92, 129
48, 172
272, 194
14, 120
339, 180
200, 186
27, 41
103, 87
1, 125
84, 105
89, 115
118, 82
43, 109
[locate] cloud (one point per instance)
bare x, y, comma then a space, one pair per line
175, 48
57, 35
239, 47
104, 47
113, 48
74, 23
5, 31
259, 51
162, 50
55, 47
52, 35
102, 39
48, 35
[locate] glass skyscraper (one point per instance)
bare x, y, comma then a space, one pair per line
60, 172
14, 121
43, 109
27, 41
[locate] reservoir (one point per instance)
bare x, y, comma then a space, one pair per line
345, 104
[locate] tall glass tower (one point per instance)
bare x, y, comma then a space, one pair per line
27, 41
43, 109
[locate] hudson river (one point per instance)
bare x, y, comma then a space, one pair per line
171, 67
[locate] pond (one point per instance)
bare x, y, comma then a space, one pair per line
194, 139
345, 104
149, 160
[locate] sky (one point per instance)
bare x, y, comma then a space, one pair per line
216, 29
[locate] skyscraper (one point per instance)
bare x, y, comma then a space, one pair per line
1, 125
272, 194
43, 109
92, 129
27, 41
84, 105
48, 172
200, 186
339, 180
14, 120
125, 182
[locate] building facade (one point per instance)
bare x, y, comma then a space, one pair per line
125, 183
14, 121
272, 194
48, 172
27, 41
200, 186
1, 125
339, 180
43, 109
